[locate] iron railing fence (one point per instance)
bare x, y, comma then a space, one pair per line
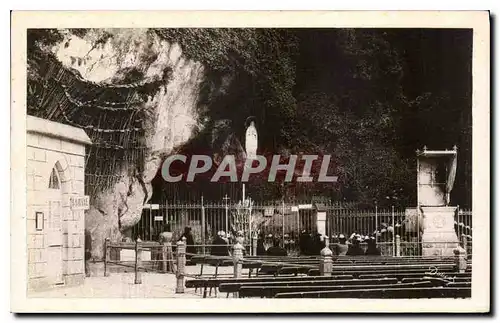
285, 222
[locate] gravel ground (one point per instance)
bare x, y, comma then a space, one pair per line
121, 285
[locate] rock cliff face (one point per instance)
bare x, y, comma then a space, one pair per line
104, 56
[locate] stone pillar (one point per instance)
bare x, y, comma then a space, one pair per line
326, 262
164, 257
439, 237
138, 262
460, 259
237, 259
398, 246
181, 266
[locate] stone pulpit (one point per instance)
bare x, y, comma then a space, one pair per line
436, 171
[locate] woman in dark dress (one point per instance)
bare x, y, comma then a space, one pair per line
354, 249
261, 250
190, 247
372, 249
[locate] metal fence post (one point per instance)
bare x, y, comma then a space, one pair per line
203, 226
298, 224
393, 233
226, 198
376, 222
106, 256
151, 227
250, 234
138, 262
254, 244
283, 224
181, 266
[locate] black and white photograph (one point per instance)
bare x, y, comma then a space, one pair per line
254, 163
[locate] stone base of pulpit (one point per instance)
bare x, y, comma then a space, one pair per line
439, 237
321, 223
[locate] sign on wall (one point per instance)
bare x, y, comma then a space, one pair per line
79, 202
39, 221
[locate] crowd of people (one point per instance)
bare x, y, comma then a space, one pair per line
309, 243
352, 246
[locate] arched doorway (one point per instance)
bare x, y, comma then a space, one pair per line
55, 228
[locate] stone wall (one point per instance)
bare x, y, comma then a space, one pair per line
52, 145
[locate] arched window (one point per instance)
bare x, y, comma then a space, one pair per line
54, 180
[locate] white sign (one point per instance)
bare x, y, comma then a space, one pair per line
305, 206
295, 209
151, 206
158, 218
79, 202
129, 255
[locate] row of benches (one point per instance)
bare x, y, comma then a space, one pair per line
390, 278
276, 266
325, 287
290, 280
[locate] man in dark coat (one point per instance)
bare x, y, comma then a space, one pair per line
276, 250
354, 248
317, 244
372, 249
305, 242
220, 246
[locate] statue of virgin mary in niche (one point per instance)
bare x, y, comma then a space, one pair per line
251, 139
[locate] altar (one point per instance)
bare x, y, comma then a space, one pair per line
436, 170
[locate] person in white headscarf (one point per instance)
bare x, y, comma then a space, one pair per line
341, 247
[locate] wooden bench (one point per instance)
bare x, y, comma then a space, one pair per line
206, 283
234, 287
437, 281
424, 292
251, 266
271, 291
396, 266
380, 272
460, 284
400, 275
